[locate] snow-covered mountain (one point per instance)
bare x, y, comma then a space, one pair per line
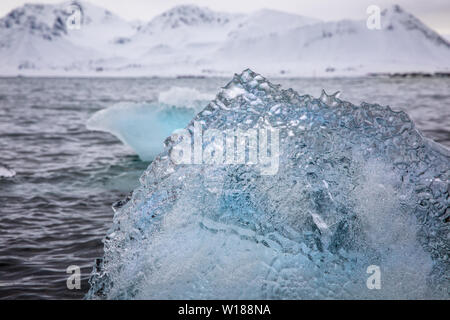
188, 16
403, 44
191, 40
35, 38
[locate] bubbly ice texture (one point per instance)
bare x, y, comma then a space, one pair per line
144, 126
356, 186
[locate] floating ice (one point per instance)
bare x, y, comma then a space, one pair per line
144, 126
5, 172
188, 97
357, 186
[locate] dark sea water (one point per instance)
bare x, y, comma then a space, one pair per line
55, 211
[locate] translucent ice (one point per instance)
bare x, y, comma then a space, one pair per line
144, 126
357, 186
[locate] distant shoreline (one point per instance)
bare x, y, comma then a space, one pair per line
412, 75
444, 74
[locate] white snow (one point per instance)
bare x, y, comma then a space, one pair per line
191, 40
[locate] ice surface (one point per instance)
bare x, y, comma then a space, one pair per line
5, 172
144, 126
356, 186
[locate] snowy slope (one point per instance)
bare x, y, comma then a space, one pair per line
35, 38
187, 39
191, 40
403, 44
182, 31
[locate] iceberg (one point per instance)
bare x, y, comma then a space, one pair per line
6, 172
358, 189
144, 126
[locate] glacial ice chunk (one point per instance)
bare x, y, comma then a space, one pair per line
357, 186
188, 97
144, 126
6, 172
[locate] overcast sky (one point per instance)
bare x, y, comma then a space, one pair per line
435, 13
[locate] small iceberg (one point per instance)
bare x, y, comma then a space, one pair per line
5, 172
144, 126
358, 207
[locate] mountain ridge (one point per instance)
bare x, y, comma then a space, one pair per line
194, 40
